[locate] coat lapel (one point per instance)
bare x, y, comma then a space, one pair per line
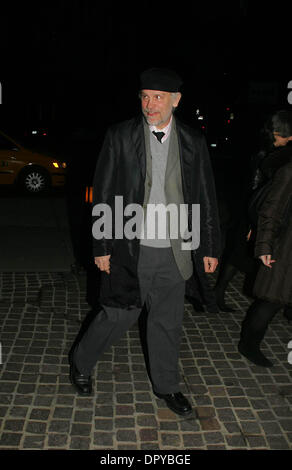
139, 143
173, 152
186, 153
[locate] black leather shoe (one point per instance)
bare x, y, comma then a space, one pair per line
82, 383
254, 355
176, 402
195, 303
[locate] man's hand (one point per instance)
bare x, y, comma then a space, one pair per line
103, 263
267, 260
210, 264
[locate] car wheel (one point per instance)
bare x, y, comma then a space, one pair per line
34, 180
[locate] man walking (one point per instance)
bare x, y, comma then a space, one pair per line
148, 161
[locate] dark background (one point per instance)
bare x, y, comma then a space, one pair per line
69, 69
72, 65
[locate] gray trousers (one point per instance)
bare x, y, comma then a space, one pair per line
162, 288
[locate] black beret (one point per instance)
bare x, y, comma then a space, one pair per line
160, 79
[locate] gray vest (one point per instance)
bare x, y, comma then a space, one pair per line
173, 193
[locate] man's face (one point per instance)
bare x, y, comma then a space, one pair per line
157, 106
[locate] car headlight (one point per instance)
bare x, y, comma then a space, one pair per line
59, 165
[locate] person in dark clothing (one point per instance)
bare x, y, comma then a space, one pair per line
273, 241
150, 160
238, 254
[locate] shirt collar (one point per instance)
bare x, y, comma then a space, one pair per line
166, 130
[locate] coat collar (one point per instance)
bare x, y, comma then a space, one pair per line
139, 143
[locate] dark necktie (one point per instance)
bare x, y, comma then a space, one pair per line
158, 135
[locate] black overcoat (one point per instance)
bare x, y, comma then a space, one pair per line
121, 171
274, 231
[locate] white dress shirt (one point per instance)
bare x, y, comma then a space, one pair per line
166, 130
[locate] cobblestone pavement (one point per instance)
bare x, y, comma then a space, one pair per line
236, 405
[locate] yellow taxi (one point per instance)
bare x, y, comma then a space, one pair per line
33, 172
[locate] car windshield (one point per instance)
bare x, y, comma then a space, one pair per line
31, 142
40, 144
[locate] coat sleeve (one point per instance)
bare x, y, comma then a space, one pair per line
273, 211
103, 194
210, 238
